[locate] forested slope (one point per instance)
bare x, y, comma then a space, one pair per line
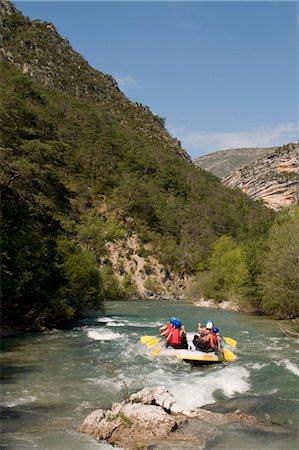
82, 167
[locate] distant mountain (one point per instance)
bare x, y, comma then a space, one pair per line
273, 179
221, 163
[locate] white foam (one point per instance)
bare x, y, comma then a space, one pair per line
116, 324
199, 392
104, 319
144, 325
276, 347
290, 366
257, 366
19, 401
118, 321
273, 391
102, 334
104, 382
193, 390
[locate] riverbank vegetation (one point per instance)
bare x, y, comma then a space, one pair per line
260, 274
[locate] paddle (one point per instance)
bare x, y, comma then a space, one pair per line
157, 351
153, 342
228, 355
145, 339
230, 341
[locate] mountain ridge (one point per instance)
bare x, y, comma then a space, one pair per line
222, 162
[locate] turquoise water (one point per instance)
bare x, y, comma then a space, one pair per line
51, 381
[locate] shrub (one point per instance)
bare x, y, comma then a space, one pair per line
152, 285
280, 275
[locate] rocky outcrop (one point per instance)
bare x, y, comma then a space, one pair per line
151, 416
273, 179
150, 278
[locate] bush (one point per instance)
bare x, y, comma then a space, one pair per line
228, 273
129, 287
152, 285
111, 286
83, 289
280, 275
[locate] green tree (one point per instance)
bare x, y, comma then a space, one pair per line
228, 271
280, 267
82, 287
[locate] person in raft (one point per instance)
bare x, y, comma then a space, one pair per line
177, 337
217, 340
204, 339
165, 329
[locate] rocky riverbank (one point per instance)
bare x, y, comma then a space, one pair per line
151, 418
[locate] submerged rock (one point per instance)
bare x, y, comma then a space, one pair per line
150, 417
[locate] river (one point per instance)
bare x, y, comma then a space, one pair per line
52, 380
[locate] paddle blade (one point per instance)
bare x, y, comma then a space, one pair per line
230, 341
228, 355
145, 339
153, 342
156, 352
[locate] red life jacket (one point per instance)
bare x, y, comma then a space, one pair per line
215, 339
176, 338
168, 329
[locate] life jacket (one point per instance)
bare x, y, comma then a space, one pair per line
168, 329
176, 338
216, 339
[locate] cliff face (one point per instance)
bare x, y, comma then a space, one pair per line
273, 179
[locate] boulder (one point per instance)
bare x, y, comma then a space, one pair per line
158, 395
130, 425
150, 417
92, 421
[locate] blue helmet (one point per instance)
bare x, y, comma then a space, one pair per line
215, 330
177, 323
172, 319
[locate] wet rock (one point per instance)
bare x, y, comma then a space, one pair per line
150, 416
92, 421
154, 396
131, 425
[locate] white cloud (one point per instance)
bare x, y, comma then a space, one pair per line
201, 142
126, 83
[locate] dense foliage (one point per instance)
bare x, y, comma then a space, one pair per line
261, 273
280, 267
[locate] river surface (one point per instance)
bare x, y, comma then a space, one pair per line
52, 380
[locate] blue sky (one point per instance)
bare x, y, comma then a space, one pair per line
223, 74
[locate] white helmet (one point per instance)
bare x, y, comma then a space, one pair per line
209, 325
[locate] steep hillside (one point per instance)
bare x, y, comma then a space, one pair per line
273, 179
223, 162
98, 200
39, 51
